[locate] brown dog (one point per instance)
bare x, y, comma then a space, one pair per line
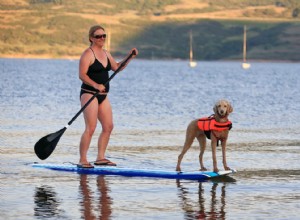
215, 127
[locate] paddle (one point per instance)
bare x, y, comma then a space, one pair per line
46, 145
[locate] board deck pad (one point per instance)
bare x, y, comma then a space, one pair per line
130, 172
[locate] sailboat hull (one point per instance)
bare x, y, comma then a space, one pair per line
193, 64
246, 65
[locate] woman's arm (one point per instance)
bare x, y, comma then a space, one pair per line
115, 65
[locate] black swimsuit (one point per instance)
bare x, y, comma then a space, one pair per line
98, 73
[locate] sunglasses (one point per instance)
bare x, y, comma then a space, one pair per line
100, 36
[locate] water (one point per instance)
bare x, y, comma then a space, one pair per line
153, 101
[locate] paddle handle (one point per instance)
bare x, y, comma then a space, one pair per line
96, 93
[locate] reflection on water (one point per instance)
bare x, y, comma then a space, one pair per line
210, 205
46, 203
104, 200
93, 204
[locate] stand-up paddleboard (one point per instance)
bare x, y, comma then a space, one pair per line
109, 170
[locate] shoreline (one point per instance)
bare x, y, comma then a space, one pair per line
45, 57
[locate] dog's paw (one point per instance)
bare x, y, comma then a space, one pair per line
178, 169
227, 168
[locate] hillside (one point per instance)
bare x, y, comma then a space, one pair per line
158, 28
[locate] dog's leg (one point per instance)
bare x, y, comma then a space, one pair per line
202, 142
224, 155
191, 133
214, 153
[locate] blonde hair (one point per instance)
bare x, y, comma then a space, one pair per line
93, 29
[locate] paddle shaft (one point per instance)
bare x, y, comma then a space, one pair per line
96, 93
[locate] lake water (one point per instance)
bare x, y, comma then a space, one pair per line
153, 101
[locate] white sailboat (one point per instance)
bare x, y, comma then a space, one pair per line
245, 65
192, 63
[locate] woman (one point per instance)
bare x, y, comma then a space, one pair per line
94, 64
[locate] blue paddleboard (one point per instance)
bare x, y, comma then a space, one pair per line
109, 170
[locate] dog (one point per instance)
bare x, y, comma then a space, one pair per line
216, 127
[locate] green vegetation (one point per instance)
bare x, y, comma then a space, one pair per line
158, 28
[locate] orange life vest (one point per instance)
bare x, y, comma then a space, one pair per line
210, 124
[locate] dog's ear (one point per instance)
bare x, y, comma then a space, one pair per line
230, 108
215, 108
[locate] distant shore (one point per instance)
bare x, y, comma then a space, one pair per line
42, 56
47, 56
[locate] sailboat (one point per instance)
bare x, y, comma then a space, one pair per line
108, 40
245, 65
192, 63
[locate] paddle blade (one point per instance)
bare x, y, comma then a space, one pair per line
46, 145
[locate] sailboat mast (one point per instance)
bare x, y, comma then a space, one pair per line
108, 40
245, 65
245, 43
191, 46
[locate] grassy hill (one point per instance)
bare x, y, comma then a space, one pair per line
158, 28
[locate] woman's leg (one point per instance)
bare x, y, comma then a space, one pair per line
106, 119
90, 118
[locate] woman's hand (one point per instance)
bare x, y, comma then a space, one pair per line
135, 52
100, 87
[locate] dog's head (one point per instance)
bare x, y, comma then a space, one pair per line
223, 108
